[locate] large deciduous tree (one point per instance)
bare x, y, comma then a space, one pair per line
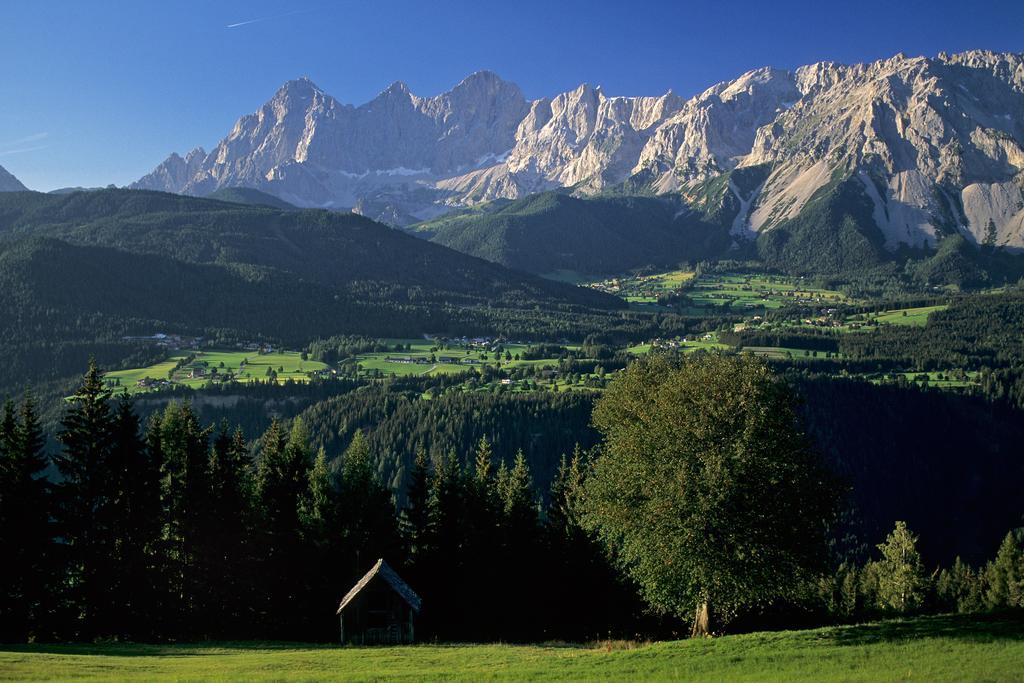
707, 490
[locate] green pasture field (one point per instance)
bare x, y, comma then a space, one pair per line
420, 349
751, 291
643, 289
944, 648
288, 365
906, 316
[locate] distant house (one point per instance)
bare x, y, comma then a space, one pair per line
379, 610
408, 360
447, 359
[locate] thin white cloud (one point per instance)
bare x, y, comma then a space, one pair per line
25, 140
260, 19
9, 152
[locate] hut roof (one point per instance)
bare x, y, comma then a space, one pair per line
393, 579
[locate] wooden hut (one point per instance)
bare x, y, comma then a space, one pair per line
379, 609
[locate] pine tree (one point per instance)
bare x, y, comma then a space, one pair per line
26, 533
282, 478
482, 464
564, 512
83, 508
902, 584
319, 503
415, 522
229, 561
519, 534
959, 589
185, 499
367, 509
1005, 576
516, 493
441, 571
135, 523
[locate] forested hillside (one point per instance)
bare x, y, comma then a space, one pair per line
552, 232
834, 235
81, 271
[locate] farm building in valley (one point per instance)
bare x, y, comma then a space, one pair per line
380, 609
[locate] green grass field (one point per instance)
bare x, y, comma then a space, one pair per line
908, 316
949, 648
752, 291
246, 366
420, 349
643, 289
739, 291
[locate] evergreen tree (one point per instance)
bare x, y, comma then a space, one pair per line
960, 589
415, 522
228, 538
282, 478
322, 532
516, 493
186, 505
564, 513
367, 510
902, 584
318, 506
83, 512
1005, 576
482, 464
135, 524
26, 532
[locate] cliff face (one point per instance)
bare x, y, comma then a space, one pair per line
937, 144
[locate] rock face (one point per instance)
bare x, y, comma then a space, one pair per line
8, 183
937, 145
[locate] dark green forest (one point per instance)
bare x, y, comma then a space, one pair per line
171, 527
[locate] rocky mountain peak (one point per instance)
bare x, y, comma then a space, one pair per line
932, 139
8, 183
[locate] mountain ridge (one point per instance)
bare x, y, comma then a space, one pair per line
8, 183
937, 143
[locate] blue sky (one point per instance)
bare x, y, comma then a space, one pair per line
100, 92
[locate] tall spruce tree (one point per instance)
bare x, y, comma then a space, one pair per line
84, 513
230, 564
282, 478
26, 532
1005, 576
367, 510
321, 532
186, 504
135, 522
318, 506
415, 521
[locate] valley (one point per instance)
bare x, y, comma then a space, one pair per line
714, 371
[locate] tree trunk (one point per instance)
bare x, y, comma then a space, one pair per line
702, 621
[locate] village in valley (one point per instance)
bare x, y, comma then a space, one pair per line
742, 303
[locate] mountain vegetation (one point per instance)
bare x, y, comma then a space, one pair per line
175, 529
552, 232
80, 272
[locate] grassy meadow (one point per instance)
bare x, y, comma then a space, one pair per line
905, 316
944, 648
245, 366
